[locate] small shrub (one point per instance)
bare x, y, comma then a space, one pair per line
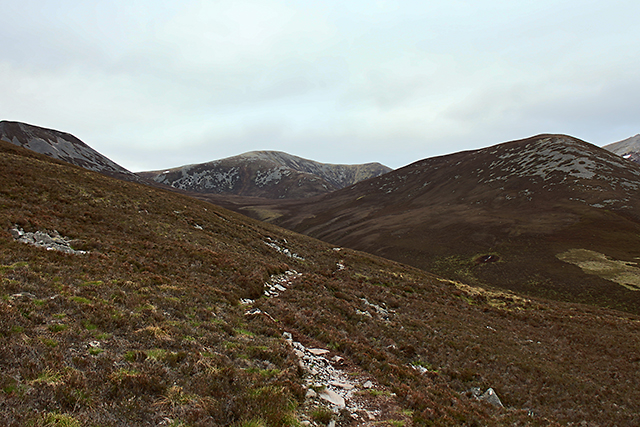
94, 351
89, 326
49, 377
58, 420
156, 354
322, 415
80, 300
175, 396
49, 342
92, 283
57, 327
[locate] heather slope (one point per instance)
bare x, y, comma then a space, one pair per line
269, 174
149, 327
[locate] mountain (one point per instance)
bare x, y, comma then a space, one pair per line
628, 148
270, 174
504, 215
61, 146
125, 304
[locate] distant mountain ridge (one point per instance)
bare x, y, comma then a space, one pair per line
268, 174
628, 148
520, 203
62, 146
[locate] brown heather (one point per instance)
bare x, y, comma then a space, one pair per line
147, 328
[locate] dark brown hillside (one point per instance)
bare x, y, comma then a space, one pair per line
149, 326
523, 202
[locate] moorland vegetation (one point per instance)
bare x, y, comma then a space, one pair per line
153, 325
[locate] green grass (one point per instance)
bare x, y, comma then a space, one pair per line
58, 420
55, 328
50, 377
49, 342
322, 415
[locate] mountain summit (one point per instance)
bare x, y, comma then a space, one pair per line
61, 146
269, 174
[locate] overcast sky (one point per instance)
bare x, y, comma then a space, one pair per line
163, 83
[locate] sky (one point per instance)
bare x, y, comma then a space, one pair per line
163, 83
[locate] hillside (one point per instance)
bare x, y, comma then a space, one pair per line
504, 215
170, 311
628, 148
61, 146
269, 174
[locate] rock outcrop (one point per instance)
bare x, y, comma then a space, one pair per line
51, 241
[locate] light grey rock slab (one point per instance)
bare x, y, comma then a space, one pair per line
333, 398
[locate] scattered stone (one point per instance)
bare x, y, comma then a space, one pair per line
311, 394
305, 423
339, 384
363, 313
24, 295
279, 283
283, 250
287, 336
487, 258
16, 233
332, 423
491, 397
318, 351
367, 384
333, 398
381, 311
253, 312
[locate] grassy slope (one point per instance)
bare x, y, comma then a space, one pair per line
147, 327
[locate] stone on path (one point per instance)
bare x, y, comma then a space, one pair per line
345, 386
333, 397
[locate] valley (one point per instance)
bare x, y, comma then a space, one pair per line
170, 310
